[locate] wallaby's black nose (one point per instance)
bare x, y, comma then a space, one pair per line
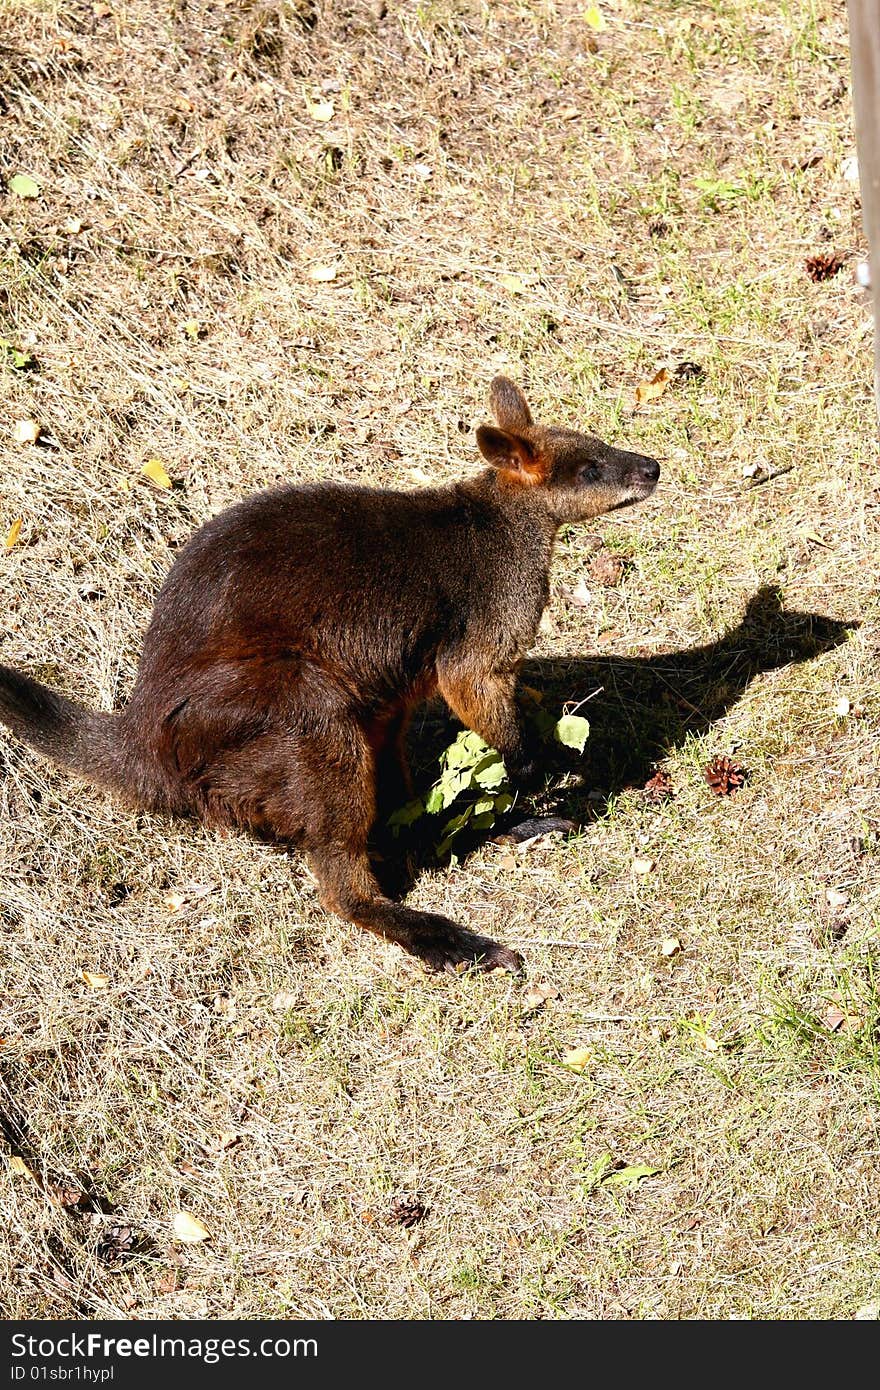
650, 469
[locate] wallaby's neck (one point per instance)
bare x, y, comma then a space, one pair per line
520, 506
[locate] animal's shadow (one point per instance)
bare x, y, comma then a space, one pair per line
644, 709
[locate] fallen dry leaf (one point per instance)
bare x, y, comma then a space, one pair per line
23, 186
595, 18
323, 274
228, 1140
607, 569
321, 111
643, 865
842, 708
174, 901
187, 1228
95, 981
513, 284
73, 227
578, 1059
26, 432
537, 995
579, 596
154, 471
284, 1000
836, 898
670, 946
653, 389
834, 1018
13, 533
18, 1165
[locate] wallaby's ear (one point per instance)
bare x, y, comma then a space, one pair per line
509, 405
510, 452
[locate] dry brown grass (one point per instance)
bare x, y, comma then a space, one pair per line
650, 198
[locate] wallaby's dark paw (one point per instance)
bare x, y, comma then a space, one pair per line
441, 945
522, 831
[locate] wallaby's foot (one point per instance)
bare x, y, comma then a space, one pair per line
444, 946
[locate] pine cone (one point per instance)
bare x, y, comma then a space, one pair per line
118, 1245
690, 371
823, 266
659, 787
407, 1211
724, 777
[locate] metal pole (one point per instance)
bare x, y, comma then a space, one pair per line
864, 39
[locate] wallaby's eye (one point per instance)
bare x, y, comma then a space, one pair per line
588, 473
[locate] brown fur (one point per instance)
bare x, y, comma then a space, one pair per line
297, 630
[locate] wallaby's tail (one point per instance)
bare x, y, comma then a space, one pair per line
82, 740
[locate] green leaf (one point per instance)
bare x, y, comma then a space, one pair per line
503, 803
24, 187
19, 360
452, 829
490, 772
405, 815
542, 720
597, 1171
484, 821
466, 751
434, 801
573, 731
485, 803
631, 1176
451, 783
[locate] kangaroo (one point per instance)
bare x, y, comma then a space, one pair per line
297, 630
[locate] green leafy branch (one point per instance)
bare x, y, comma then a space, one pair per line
473, 775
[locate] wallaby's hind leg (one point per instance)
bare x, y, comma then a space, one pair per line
333, 781
393, 784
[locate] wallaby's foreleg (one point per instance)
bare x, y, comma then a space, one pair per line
334, 780
487, 701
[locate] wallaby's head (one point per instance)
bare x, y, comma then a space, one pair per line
576, 475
